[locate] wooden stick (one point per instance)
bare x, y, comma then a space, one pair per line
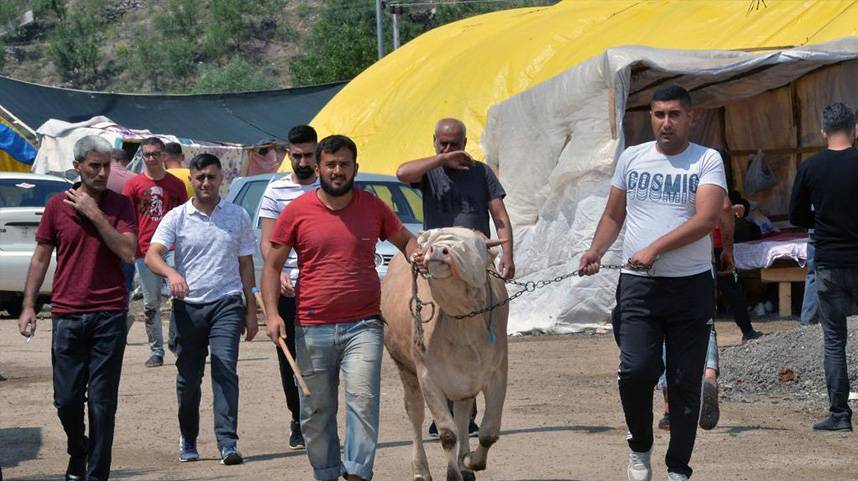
282, 343
295, 369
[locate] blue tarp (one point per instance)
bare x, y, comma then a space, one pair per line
14, 145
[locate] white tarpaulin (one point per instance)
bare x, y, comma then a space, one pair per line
555, 146
57, 139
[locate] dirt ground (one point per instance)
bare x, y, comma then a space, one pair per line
562, 421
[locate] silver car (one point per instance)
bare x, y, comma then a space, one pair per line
23, 197
405, 201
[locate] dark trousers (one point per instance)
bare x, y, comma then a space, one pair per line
198, 327
731, 286
86, 354
675, 312
837, 290
286, 309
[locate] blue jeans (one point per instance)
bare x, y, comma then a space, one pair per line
837, 290
323, 352
198, 328
150, 284
809, 305
86, 354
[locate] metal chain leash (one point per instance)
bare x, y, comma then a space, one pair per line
529, 286
416, 304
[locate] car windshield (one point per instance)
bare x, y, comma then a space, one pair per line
29, 192
405, 201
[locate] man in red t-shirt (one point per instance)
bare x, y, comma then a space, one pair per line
153, 193
334, 231
93, 230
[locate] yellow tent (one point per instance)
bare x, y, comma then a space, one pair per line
464, 68
7, 162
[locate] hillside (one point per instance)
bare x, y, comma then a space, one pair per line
159, 45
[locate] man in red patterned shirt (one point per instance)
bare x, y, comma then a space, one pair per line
153, 193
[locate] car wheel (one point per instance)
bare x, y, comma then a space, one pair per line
12, 308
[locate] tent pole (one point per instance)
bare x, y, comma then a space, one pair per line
378, 29
396, 11
17, 122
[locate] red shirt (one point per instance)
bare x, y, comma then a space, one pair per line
88, 276
336, 255
152, 199
119, 176
716, 237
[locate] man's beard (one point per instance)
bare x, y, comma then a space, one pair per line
303, 172
336, 191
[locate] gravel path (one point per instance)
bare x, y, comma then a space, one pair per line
785, 365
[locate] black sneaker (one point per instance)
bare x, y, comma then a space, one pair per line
296, 439
664, 422
154, 361
709, 412
832, 423
473, 429
229, 456
751, 336
433, 431
76, 470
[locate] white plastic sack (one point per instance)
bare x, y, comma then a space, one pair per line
759, 176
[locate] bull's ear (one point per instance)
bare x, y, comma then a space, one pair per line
494, 242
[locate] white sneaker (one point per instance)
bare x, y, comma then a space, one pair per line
676, 477
639, 466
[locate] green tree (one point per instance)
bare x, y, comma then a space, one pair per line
74, 48
341, 45
236, 76
343, 41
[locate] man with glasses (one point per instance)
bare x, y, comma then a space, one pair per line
153, 193
278, 194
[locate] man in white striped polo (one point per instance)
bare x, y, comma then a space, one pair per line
302, 153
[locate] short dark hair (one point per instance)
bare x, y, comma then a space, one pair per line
173, 148
838, 117
302, 134
667, 93
153, 141
201, 161
333, 143
119, 155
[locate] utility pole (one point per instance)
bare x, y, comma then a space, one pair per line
396, 10
378, 28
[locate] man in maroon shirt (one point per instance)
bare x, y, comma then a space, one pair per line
93, 230
334, 231
153, 193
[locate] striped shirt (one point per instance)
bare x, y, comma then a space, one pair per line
276, 197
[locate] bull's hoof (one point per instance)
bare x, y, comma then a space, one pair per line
453, 474
420, 477
468, 475
467, 460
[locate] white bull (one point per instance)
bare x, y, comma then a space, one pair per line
457, 358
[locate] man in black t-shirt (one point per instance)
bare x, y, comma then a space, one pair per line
460, 192
826, 181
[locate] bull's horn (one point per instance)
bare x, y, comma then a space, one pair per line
494, 242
